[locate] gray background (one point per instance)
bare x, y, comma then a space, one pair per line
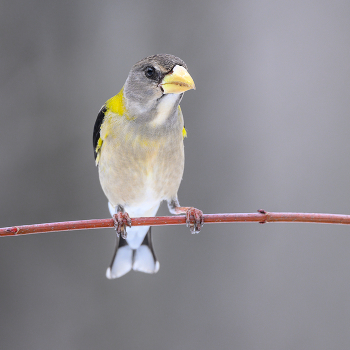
268, 127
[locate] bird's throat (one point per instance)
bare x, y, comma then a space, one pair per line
167, 107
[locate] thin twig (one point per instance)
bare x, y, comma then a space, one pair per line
261, 216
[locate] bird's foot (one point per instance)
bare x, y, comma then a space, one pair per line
194, 219
121, 220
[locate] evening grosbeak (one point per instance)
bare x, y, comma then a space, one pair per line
138, 146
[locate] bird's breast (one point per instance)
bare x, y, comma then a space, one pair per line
135, 168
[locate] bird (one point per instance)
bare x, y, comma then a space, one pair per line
138, 141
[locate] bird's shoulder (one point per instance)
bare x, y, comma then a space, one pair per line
184, 132
96, 138
114, 107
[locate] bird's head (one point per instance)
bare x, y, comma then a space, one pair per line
155, 78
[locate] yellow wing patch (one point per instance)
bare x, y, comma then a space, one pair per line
98, 147
114, 106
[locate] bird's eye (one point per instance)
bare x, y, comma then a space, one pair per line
150, 72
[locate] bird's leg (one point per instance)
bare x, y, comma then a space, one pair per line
194, 217
121, 220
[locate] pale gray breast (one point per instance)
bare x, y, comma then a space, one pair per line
134, 170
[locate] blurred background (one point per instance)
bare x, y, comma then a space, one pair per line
268, 127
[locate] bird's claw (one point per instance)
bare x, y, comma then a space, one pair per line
121, 220
194, 219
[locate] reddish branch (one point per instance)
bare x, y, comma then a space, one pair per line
261, 216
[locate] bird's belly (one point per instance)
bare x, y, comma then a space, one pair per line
141, 177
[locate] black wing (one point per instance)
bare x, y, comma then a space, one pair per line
97, 128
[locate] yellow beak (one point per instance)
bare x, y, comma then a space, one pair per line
177, 81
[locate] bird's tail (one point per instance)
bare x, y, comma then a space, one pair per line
125, 258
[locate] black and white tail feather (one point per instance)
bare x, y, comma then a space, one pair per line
125, 258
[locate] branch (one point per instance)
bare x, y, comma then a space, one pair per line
261, 216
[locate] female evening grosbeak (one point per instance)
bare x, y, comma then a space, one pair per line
138, 146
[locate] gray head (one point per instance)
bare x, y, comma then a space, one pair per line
152, 78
